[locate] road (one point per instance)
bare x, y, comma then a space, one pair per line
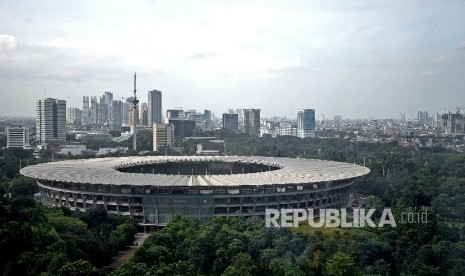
127, 254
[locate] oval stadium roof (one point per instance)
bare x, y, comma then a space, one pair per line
103, 171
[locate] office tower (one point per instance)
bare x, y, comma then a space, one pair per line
127, 106
230, 121
117, 113
453, 123
423, 117
51, 120
174, 114
437, 121
144, 116
17, 136
104, 109
306, 123
338, 118
154, 107
163, 136
94, 110
85, 110
74, 117
207, 119
182, 128
251, 121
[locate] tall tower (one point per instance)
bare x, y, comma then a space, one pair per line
51, 121
135, 101
154, 106
306, 123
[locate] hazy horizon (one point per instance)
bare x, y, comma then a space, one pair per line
360, 59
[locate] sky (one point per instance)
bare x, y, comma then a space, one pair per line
358, 59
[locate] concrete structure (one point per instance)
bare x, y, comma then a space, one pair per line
306, 123
86, 118
17, 137
251, 121
154, 189
182, 128
174, 114
51, 121
230, 121
74, 150
163, 136
74, 117
105, 151
154, 107
453, 123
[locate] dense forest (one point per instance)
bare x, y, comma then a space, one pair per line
35, 240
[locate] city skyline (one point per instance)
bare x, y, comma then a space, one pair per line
359, 60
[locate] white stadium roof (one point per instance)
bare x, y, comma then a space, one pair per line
103, 171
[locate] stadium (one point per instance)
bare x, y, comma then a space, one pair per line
154, 189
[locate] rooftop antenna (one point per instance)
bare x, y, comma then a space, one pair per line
135, 101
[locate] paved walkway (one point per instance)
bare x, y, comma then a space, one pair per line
127, 254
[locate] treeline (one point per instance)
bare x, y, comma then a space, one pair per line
35, 240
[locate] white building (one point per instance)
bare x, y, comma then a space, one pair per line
74, 150
163, 136
17, 137
51, 120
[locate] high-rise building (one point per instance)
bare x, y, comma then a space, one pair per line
453, 123
17, 136
145, 117
85, 111
437, 121
306, 123
51, 120
230, 121
163, 136
182, 128
127, 107
423, 117
207, 119
174, 114
117, 113
251, 121
94, 110
74, 117
154, 107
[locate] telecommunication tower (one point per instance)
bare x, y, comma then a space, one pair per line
135, 101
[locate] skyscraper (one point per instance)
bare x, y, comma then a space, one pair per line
117, 113
251, 121
85, 110
306, 123
230, 121
154, 110
51, 120
74, 117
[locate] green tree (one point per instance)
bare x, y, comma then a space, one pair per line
340, 264
78, 268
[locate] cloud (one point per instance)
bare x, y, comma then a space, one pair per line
55, 61
439, 59
427, 74
202, 55
462, 46
7, 42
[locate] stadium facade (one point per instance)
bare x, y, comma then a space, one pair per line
154, 189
